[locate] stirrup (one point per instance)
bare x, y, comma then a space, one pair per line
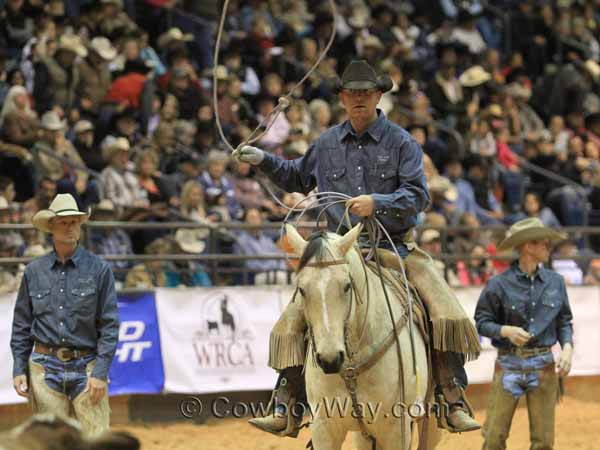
292, 427
443, 418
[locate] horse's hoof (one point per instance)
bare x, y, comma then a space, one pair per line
459, 421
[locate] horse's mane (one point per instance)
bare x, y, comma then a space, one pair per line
315, 248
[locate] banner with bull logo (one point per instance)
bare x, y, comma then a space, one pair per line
217, 340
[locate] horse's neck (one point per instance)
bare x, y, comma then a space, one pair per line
370, 310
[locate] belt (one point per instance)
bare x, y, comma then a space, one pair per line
63, 353
523, 352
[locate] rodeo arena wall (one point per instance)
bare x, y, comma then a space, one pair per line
216, 340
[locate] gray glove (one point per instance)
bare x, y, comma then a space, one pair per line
249, 154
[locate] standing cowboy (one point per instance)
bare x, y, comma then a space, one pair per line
381, 166
65, 325
525, 310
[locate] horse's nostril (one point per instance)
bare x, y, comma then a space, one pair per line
319, 361
340, 358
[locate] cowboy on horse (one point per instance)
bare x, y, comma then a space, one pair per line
380, 165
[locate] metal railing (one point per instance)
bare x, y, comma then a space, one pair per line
219, 264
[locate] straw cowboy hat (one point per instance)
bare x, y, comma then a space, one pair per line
112, 147
82, 126
190, 240
474, 76
517, 90
63, 205
73, 44
51, 121
174, 34
104, 48
527, 230
442, 185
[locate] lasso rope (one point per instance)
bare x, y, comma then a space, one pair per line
284, 101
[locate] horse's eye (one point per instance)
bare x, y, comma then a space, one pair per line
302, 293
347, 287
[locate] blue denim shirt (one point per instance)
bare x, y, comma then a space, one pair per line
539, 306
72, 305
385, 161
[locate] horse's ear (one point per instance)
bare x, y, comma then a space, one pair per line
349, 239
296, 241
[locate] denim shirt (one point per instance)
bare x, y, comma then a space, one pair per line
539, 305
72, 305
384, 161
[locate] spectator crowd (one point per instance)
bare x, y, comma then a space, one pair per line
111, 101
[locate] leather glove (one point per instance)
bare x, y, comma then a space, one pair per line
249, 154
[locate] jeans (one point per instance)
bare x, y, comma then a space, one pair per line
69, 377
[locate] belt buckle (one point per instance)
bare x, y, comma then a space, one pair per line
60, 354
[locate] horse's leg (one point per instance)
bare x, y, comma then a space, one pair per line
327, 434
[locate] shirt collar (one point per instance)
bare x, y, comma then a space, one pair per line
74, 259
520, 274
375, 130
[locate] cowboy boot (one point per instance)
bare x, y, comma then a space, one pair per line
450, 376
460, 416
290, 389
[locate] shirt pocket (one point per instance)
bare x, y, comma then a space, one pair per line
84, 298
516, 313
336, 179
383, 179
40, 301
550, 304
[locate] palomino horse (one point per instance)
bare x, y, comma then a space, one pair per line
356, 370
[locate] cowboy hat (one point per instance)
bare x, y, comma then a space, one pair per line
174, 34
360, 17
73, 44
527, 230
63, 205
592, 68
190, 240
104, 48
360, 75
429, 236
82, 126
113, 146
474, 76
51, 121
518, 91
442, 185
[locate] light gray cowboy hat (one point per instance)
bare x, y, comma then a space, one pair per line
63, 205
527, 230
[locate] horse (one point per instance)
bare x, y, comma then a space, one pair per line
355, 380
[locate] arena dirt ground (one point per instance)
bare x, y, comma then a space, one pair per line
578, 428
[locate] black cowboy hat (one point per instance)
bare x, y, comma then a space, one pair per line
360, 75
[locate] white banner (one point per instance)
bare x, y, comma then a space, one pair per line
216, 340
7, 393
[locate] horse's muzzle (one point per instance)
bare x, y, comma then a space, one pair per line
331, 366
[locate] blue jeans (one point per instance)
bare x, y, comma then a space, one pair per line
69, 377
